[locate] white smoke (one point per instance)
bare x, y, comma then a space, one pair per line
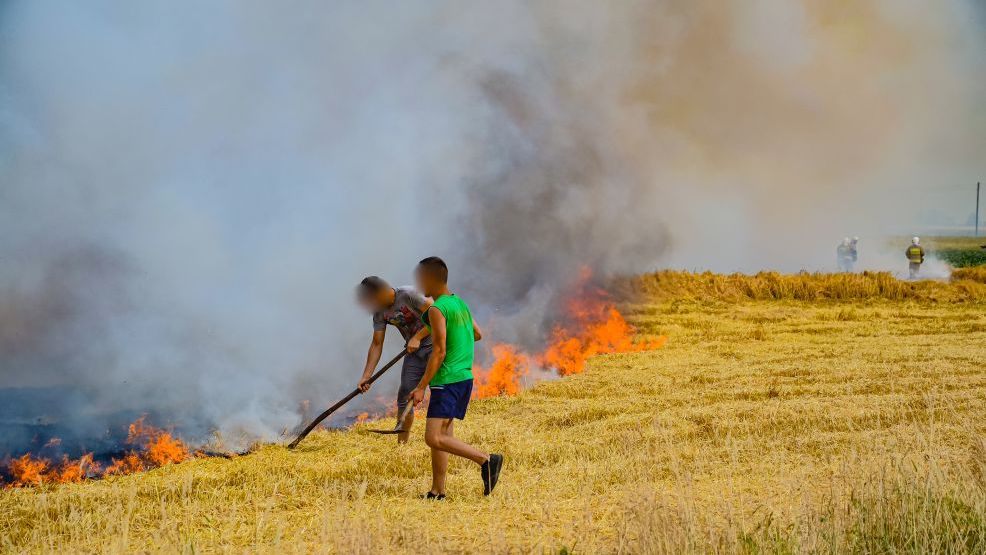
190, 191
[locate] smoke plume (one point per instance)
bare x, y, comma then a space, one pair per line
190, 191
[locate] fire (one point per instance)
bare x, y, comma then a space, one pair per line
156, 448
160, 448
503, 376
600, 331
591, 325
73, 470
128, 464
29, 471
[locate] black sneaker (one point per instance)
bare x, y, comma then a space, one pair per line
435, 496
491, 472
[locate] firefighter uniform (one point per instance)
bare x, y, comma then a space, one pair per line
845, 256
915, 257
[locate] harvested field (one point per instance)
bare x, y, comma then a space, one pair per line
786, 413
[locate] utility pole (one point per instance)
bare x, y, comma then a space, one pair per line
977, 208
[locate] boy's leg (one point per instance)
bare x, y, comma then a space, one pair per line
412, 369
438, 435
439, 469
402, 437
439, 465
448, 402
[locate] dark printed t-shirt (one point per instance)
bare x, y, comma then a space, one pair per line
404, 314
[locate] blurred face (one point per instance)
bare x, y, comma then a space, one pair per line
368, 302
426, 283
374, 302
383, 298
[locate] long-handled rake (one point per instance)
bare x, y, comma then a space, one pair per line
399, 427
304, 433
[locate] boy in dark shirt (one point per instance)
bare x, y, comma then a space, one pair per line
401, 307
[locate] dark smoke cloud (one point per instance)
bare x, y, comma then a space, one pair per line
189, 191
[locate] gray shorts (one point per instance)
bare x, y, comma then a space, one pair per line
411, 374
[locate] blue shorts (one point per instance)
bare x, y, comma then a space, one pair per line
450, 400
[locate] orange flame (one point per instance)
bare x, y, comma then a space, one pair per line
157, 448
603, 333
160, 448
130, 463
73, 470
591, 326
503, 376
29, 471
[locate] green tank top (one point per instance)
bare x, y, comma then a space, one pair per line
459, 340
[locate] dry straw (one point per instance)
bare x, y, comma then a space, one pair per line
827, 421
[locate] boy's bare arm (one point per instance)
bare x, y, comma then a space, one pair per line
437, 320
372, 358
477, 333
414, 343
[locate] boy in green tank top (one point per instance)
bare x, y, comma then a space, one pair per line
449, 376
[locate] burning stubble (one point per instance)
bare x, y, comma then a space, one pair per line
189, 193
588, 325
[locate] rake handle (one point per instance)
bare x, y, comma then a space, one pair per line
304, 433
